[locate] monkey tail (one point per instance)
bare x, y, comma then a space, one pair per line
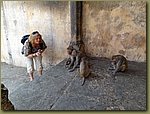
83, 81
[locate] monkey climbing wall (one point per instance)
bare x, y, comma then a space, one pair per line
115, 28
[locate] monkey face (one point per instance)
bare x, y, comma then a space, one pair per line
69, 50
74, 53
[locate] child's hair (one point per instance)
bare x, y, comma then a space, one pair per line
32, 37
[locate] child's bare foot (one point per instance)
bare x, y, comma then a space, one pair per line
40, 72
31, 78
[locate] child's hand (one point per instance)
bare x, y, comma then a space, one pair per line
38, 53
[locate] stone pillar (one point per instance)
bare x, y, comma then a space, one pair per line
76, 20
73, 20
79, 20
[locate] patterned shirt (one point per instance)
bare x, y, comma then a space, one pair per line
28, 49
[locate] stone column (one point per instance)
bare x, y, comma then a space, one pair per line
76, 20
79, 20
73, 20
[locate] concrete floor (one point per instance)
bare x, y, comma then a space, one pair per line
58, 89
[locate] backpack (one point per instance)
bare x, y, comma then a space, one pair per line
24, 38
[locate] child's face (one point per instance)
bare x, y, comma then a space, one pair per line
37, 39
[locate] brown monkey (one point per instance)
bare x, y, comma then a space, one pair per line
78, 46
75, 52
118, 63
81, 46
69, 52
85, 70
75, 60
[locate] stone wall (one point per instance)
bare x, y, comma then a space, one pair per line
51, 19
115, 28
108, 28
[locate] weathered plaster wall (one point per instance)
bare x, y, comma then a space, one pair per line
115, 28
51, 19
108, 28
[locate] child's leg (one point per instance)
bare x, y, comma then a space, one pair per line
30, 68
39, 66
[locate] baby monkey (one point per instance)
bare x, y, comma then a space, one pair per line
117, 64
85, 70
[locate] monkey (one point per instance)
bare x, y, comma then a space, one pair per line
81, 46
75, 50
75, 60
85, 70
78, 45
118, 63
69, 51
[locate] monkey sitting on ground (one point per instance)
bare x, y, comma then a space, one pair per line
75, 60
117, 64
85, 70
75, 52
70, 61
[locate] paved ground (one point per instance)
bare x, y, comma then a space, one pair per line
59, 89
